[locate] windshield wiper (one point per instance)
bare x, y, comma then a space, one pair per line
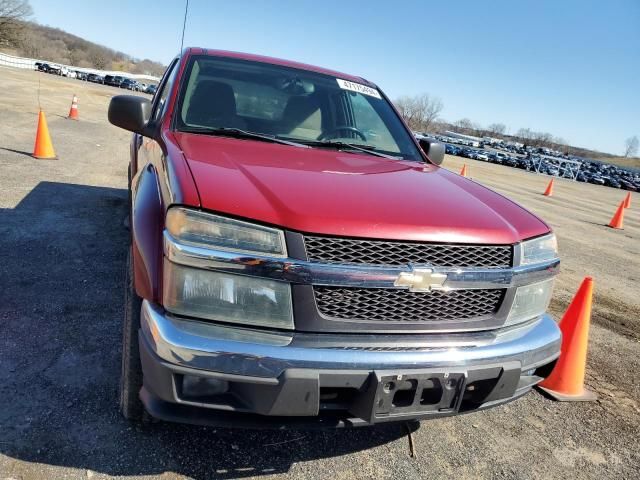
370, 149
239, 133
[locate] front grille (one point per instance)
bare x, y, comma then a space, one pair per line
382, 252
390, 305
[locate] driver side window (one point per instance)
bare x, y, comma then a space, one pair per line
162, 95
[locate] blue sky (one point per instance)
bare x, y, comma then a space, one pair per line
571, 68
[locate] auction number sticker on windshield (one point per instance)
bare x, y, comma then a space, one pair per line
358, 87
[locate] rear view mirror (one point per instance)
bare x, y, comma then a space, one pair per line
434, 150
130, 112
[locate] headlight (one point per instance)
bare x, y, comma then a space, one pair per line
222, 296
530, 301
227, 298
539, 250
207, 230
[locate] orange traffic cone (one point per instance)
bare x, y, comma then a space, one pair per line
73, 112
549, 191
463, 172
43, 147
627, 200
618, 217
566, 381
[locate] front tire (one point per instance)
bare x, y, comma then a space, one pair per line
131, 374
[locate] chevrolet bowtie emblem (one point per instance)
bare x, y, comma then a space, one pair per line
421, 280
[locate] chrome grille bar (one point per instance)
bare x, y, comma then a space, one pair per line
350, 275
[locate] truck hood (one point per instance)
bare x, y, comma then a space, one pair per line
344, 194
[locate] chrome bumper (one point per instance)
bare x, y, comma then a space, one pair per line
253, 353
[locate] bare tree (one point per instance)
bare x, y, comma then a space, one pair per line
497, 129
30, 45
464, 123
55, 45
468, 127
35, 46
76, 56
149, 67
525, 135
542, 138
99, 58
420, 112
12, 15
631, 145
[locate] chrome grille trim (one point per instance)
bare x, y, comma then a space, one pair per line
386, 252
379, 305
349, 275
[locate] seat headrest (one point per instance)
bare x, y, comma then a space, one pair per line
300, 108
211, 100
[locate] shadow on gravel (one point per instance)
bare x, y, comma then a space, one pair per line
62, 259
19, 152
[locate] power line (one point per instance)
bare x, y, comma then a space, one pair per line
184, 24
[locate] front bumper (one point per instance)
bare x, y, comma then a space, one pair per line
256, 378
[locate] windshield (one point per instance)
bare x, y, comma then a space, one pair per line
290, 104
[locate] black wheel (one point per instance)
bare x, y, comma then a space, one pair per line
131, 375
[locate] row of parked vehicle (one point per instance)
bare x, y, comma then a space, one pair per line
112, 80
499, 144
56, 69
590, 171
126, 83
610, 175
492, 157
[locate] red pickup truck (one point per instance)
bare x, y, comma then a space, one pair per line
299, 258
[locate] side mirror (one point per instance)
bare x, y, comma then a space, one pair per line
434, 150
130, 112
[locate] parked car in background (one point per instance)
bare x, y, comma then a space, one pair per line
501, 157
510, 162
467, 152
81, 75
113, 80
95, 78
451, 149
583, 177
129, 84
151, 89
54, 69
612, 182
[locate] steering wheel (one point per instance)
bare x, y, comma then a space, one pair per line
342, 128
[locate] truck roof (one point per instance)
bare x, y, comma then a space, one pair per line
275, 61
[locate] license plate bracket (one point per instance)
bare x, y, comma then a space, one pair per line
425, 393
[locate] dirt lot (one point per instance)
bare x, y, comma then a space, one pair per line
63, 248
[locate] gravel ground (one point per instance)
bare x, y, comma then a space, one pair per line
63, 249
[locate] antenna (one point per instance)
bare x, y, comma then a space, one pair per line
184, 24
